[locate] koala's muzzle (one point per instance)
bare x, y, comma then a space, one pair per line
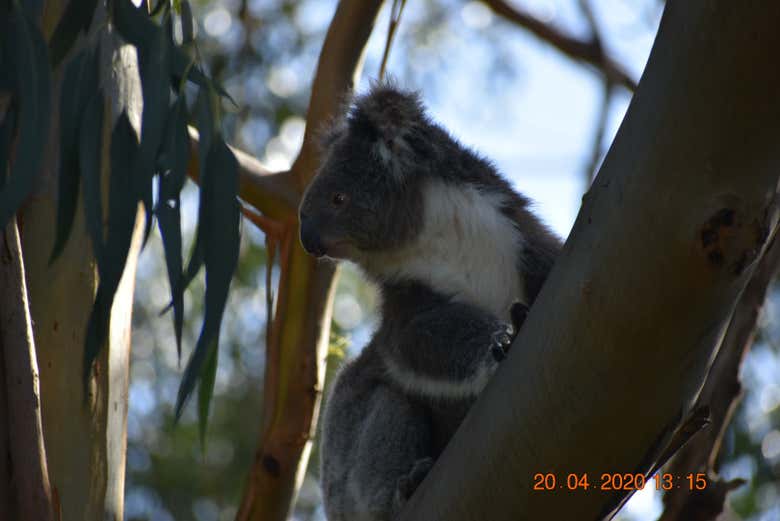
310, 238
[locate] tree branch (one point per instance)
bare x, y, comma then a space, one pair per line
722, 392
598, 135
608, 89
300, 331
590, 52
617, 345
272, 193
22, 394
338, 69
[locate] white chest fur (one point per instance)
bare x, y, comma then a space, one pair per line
467, 248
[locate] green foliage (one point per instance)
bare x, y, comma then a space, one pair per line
161, 151
6, 134
121, 221
79, 86
173, 167
218, 233
77, 17
26, 59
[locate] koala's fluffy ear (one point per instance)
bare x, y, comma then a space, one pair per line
388, 116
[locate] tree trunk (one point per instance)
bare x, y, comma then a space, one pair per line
616, 347
85, 438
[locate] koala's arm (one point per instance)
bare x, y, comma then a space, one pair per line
448, 351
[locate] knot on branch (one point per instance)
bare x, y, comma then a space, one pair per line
272, 466
730, 240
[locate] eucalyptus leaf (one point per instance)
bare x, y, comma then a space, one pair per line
171, 180
206, 391
32, 84
133, 24
6, 78
122, 206
184, 24
138, 28
220, 234
32, 8
181, 62
195, 263
79, 79
155, 66
77, 17
205, 122
121, 203
7, 129
162, 5
90, 147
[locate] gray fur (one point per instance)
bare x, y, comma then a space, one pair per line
451, 245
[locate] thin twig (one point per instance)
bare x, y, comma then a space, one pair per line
589, 51
591, 167
395, 20
608, 90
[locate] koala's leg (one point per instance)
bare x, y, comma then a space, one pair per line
373, 442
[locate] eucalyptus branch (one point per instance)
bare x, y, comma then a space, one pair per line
300, 330
587, 51
395, 20
272, 193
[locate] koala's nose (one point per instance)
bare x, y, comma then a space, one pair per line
310, 238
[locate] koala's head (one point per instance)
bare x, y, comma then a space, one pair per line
366, 198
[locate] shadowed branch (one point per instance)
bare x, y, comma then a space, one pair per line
588, 51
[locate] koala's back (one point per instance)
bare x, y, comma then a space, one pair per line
372, 434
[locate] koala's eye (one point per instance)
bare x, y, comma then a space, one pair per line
339, 198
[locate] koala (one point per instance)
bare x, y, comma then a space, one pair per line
458, 257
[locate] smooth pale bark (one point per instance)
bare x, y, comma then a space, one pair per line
616, 348
85, 441
25, 451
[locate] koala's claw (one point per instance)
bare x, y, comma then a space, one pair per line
501, 341
503, 338
408, 483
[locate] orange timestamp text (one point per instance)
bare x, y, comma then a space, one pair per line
611, 481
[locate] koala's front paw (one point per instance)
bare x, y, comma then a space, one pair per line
408, 484
505, 335
501, 340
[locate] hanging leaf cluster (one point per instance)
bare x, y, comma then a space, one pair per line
160, 154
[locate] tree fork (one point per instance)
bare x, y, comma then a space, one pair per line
621, 337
